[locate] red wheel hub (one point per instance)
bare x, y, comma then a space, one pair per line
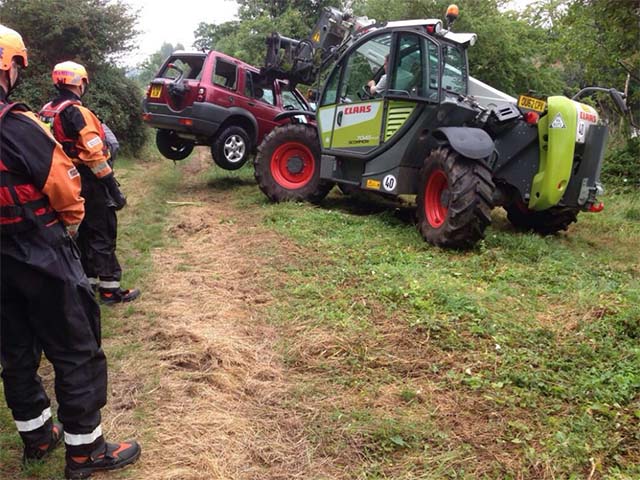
292, 165
436, 198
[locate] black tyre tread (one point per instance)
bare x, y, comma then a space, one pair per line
315, 190
545, 222
469, 211
166, 142
217, 148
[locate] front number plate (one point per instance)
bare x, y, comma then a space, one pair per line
531, 103
155, 92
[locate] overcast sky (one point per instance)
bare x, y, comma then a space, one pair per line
174, 22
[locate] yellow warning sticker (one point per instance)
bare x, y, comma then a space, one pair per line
375, 184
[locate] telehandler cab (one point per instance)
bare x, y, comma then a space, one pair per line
430, 130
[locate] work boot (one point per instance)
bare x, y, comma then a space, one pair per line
110, 297
38, 452
109, 456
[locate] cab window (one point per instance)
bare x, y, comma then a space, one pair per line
330, 95
454, 74
415, 72
225, 74
364, 64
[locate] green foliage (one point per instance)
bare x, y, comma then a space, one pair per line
116, 100
622, 164
595, 42
258, 19
90, 32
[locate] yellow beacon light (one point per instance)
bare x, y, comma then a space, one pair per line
452, 14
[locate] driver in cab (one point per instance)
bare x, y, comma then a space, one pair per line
380, 87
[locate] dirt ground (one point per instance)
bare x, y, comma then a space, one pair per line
218, 407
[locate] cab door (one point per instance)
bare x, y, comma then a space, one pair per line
358, 118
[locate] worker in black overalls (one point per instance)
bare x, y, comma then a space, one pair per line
83, 139
46, 303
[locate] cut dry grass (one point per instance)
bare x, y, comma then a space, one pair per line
218, 406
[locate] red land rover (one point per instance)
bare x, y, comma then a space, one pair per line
216, 100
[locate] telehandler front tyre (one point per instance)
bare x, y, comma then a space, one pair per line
454, 200
287, 165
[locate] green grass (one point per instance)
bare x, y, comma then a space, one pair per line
517, 359
140, 230
535, 339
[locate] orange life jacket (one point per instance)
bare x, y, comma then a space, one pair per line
22, 205
50, 115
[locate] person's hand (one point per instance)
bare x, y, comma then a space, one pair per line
372, 83
117, 197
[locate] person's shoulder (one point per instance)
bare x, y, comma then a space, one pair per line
23, 128
21, 117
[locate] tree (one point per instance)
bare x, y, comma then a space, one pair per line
91, 32
595, 42
245, 39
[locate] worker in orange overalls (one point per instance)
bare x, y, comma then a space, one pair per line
46, 302
83, 139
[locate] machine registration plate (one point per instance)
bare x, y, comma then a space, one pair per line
155, 92
531, 103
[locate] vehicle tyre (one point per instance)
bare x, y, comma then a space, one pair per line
172, 146
230, 149
454, 199
544, 222
287, 165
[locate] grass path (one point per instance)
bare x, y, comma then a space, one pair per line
215, 385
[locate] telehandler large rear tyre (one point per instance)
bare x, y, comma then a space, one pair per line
287, 165
454, 200
545, 222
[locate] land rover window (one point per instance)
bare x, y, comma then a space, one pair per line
225, 74
252, 89
289, 100
191, 68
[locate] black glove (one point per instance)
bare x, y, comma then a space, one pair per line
119, 200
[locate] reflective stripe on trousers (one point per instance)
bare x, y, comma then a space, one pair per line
34, 423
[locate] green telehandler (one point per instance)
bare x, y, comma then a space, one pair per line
399, 114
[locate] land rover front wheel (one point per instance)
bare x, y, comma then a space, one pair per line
172, 146
231, 148
454, 199
287, 165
